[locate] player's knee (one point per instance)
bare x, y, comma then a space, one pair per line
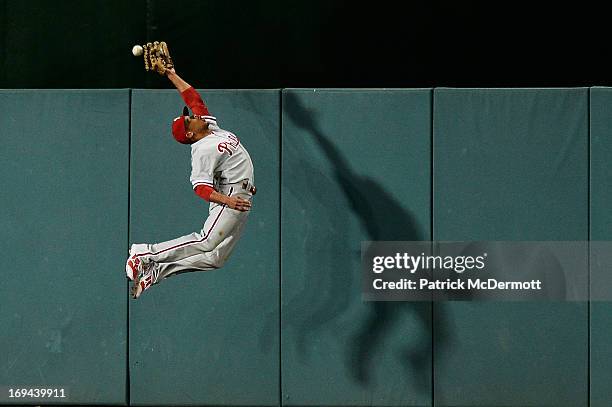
207, 246
217, 261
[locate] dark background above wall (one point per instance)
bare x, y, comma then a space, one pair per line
316, 43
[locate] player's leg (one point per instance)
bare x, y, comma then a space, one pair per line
205, 261
175, 249
219, 224
222, 224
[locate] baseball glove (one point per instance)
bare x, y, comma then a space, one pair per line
157, 57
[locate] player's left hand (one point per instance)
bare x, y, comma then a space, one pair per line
239, 204
157, 57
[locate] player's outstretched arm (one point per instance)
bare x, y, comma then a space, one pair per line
191, 97
177, 81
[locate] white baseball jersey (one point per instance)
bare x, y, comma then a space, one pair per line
219, 159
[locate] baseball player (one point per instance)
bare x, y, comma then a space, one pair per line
221, 173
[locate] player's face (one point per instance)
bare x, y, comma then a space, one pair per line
195, 124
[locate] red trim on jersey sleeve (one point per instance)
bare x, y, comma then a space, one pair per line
194, 101
204, 191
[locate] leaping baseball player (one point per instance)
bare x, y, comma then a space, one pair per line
222, 174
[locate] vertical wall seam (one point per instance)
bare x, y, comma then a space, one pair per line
588, 246
280, 251
127, 342
431, 234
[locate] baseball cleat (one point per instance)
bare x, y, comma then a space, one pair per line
134, 265
145, 280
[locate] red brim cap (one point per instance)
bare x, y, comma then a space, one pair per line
178, 130
178, 127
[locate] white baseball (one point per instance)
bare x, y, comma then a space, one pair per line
137, 50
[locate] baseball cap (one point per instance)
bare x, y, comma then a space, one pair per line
179, 130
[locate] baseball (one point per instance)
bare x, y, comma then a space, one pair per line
137, 50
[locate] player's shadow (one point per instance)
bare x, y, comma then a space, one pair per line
383, 218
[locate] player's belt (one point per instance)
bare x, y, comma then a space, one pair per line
245, 184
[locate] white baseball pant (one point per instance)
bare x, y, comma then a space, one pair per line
203, 251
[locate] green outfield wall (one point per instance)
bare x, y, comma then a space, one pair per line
512, 165
601, 230
64, 200
86, 172
355, 167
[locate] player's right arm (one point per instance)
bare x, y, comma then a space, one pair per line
233, 202
191, 97
207, 193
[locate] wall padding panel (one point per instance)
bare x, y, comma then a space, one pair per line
511, 164
205, 338
356, 167
64, 200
